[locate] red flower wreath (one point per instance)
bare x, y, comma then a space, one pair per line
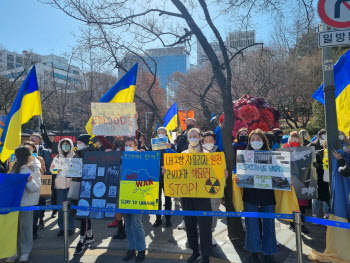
249, 113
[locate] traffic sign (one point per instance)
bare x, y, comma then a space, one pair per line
334, 38
335, 13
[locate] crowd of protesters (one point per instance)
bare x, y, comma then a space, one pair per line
260, 235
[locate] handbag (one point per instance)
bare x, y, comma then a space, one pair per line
74, 190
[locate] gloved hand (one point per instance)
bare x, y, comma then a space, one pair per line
42, 127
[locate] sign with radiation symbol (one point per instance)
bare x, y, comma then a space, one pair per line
212, 185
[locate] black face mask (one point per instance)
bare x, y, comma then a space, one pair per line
189, 127
243, 138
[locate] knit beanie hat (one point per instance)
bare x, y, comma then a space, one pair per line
85, 138
162, 129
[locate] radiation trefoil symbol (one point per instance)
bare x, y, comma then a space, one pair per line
212, 185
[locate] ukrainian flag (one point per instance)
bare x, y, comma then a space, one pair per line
123, 92
342, 91
11, 191
337, 239
170, 119
26, 105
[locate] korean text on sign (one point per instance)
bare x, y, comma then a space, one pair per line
194, 175
114, 119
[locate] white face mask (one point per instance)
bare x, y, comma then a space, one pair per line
193, 141
341, 137
81, 146
37, 148
256, 145
208, 146
324, 136
129, 149
161, 135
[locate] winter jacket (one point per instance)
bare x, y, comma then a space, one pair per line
322, 186
46, 155
60, 181
182, 142
32, 190
344, 167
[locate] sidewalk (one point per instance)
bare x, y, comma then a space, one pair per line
164, 244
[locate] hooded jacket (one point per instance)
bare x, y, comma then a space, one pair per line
60, 181
32, 190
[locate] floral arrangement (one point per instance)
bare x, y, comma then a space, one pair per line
253, 113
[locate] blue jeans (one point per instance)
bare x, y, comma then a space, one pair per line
253, 243
61, 197
135, 232
316, 205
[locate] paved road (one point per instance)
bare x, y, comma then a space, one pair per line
163, 244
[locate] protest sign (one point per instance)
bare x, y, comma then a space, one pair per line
264, 170
99, 185
68, 167
46, 182
139, 181
13, 157
159, 143
304, 176
114, 119
194, 175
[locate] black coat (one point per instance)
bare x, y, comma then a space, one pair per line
322, 186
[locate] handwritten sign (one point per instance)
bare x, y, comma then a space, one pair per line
264, 170
139, 181
99, 183
194, 175
13, 157
159, 143
114, 119
68, 167
304, 176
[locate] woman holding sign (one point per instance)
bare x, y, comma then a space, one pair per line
62, 184
259, 200
197, 204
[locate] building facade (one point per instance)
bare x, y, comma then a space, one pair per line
167, 61
52, 71
235, 40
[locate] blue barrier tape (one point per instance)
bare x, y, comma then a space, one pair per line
184, 213
30, 208
181, 213
326, 222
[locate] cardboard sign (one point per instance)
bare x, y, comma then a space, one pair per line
194, 175
99, 185
46, 182
114, 119
68, 167
304, 175
159, 143
139, 181
264, 170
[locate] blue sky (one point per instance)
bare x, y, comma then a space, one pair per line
31, 25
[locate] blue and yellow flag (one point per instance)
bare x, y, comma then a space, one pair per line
342, 92
123, 92
170, 119
26, 105
337, 239
11, 191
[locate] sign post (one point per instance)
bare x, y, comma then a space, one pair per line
334, 14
